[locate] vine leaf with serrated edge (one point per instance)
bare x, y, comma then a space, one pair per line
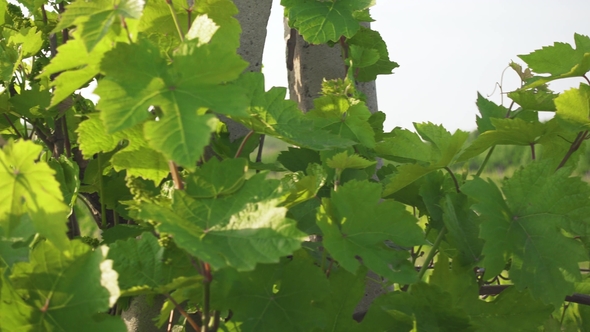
239, 230
30, 191
323, 21
444, 149
278, 297
137, 158
510, 132
506, 312
145, 267
355, 223
271, 114
343, 117
527, 225
63, 290
94, 19
573, 108
559, 61
137, 77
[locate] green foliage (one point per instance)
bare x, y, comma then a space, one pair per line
145, 193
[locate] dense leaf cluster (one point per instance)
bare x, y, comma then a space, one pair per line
145, 194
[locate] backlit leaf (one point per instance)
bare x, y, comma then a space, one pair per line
239, 230
322, 21
30, 188
63, 290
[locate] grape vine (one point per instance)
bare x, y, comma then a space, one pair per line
143, 193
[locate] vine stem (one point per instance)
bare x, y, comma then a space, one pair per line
454, 179
103, 208
175, 19
260, 147
207, 278
586, 78
573, 148
415, 257
178, 184
432, 252
124, 23
182, 312
12, 125
246, 138
485, 161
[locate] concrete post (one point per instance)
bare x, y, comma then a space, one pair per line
253, 17
311, 64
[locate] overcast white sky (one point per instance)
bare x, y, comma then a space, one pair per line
449, 50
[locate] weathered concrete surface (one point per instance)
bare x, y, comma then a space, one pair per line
253, 17
139, 317
313, 63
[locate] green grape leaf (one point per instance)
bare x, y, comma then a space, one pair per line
402, 145
370, 39
15, 314
30, 39
425, 308
122, 232
203, 29
488, 110
93, 138
431, 191
463, 229
145, 267
32, 103
94, 19
445, 147
356, 222
376, 121
346, 291
509, 132
137, 158
526, 227
76, 65
63, 290
559, 60
297, 159
271, 114
10, 59
137, 78
67, 173
361, 57
278, 297
534, 100
156, 19
573, 108
343, 118
343, 160
216, 178
322, 21
14, 248
30, 188
239, 230
444, 151
305, 188
510, 311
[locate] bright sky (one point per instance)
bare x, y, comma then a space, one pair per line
449, 50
